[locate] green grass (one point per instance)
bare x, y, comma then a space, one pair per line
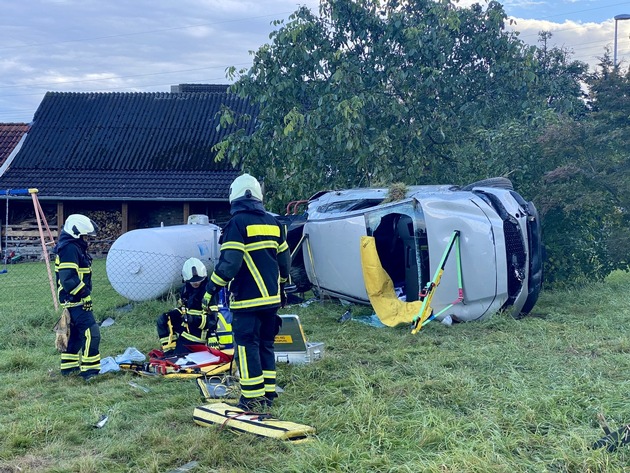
501, 395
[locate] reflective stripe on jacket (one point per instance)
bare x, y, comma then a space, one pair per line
73, 270
254, 258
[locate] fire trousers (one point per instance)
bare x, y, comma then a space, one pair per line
254, 334
82, 353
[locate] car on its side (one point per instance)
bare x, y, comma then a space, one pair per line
496, 264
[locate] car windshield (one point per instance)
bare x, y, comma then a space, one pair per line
349, 205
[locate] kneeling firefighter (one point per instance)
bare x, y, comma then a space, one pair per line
73, 272
190, 323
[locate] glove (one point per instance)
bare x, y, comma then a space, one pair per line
212, 319
213, 341
207, 305
283, 296
87, 302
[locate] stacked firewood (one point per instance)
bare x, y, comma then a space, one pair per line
109, 228
22, 237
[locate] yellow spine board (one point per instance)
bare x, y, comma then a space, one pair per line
254, 423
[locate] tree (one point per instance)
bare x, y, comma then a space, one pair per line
510, 146
538, 151
560, 79
369, 93
421, 91
586, 197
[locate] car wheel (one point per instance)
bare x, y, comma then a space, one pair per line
497, 182
536, 255
300, 279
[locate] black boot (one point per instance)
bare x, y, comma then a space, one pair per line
269, 397
89, 374
255, 404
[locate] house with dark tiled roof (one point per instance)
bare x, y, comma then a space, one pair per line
146, 155
11, 137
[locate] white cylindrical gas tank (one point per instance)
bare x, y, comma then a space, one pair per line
147, 263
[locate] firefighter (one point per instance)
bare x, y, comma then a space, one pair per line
189, 323
73, 272
255, 261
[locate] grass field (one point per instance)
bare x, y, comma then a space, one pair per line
502, 395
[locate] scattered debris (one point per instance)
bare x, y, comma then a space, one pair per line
397, 191
107, 322
108, 364
101, 422
142, 388
130, 354
347, 315
612, 440
308, 302
371, 320
187, 467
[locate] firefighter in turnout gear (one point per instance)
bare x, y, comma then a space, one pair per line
190, 323
255, 261
73, 272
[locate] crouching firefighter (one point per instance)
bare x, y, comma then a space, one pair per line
255, 261
73, 272
190, 323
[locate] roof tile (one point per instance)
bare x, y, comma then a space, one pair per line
127, 146
10, 136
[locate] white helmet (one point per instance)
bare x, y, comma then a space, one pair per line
193, 270
245, 186
77, 225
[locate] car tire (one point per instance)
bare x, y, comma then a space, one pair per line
300, 279
497, 182
536, 275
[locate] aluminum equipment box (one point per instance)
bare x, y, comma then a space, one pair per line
291, 345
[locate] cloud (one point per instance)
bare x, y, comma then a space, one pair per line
149, 45
587, 41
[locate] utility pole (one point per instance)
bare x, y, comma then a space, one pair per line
623, 16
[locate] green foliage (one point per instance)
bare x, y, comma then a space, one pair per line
423, 92
397, 191
560, 79
369, 93
492, 396
585, 194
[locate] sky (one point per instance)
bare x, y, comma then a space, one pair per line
150, 45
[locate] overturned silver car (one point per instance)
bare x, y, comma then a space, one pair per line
472, 250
